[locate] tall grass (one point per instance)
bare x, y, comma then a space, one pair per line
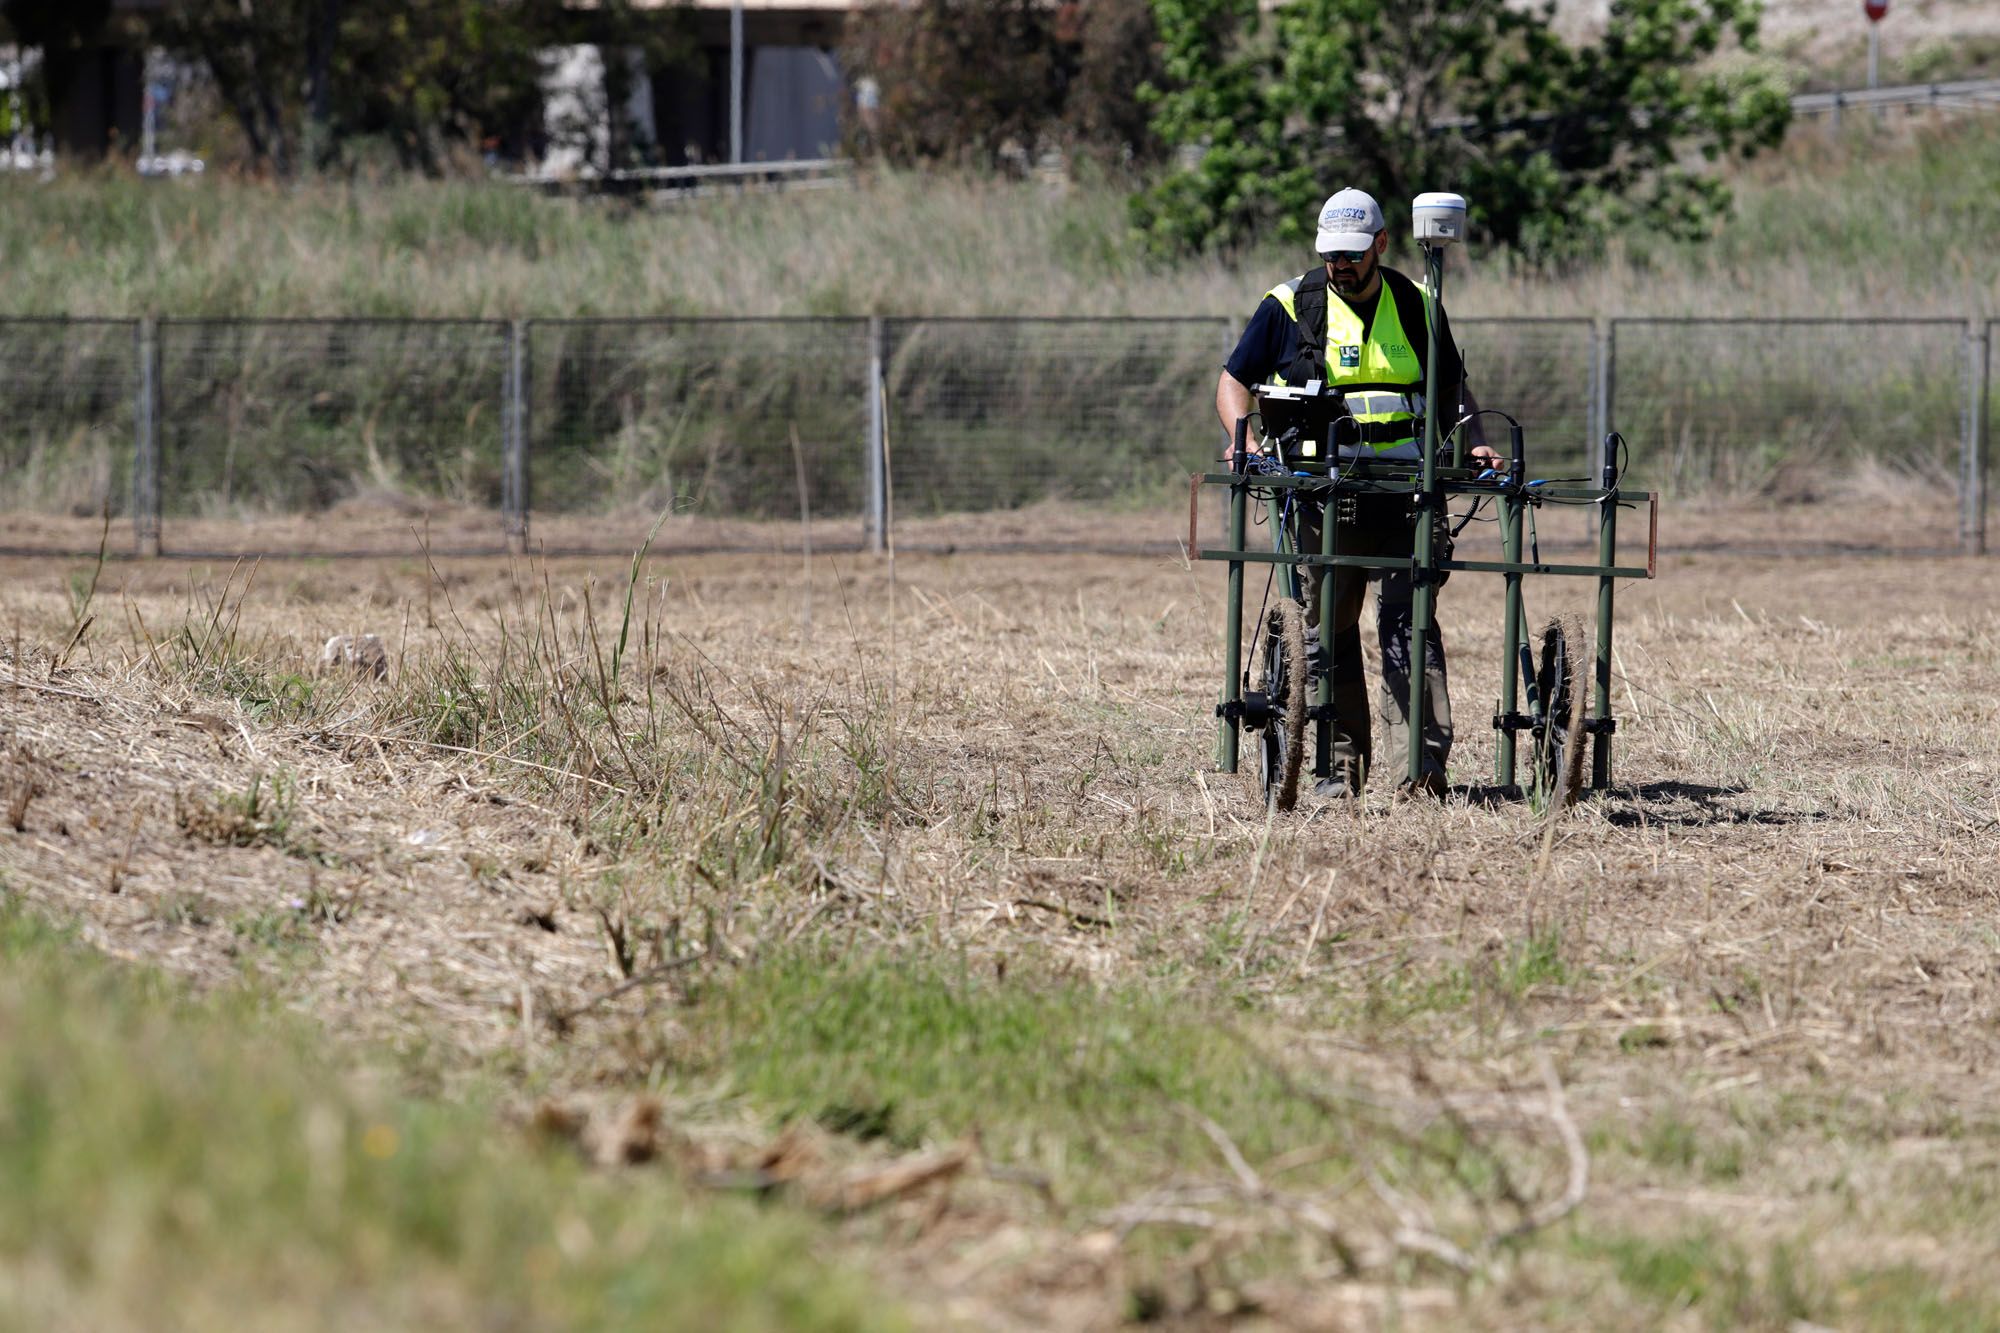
1881, 217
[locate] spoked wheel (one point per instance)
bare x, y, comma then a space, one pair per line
1555, 771
1282, 674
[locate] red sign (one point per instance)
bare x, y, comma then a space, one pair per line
1874, 9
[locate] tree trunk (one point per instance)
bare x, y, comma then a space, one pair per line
320, 147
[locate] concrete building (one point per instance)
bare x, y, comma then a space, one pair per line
792, 90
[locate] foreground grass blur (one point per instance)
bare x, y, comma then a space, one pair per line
174, 1163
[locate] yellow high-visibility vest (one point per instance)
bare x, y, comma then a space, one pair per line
1380, 355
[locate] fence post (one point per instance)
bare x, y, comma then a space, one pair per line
1972, 459
1603, 337
1593, 447
514, 441
873, 533
146, 442
1608, 373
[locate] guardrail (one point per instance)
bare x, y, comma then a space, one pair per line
1963, 93
692, 181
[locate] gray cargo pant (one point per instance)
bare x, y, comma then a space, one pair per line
1380, 526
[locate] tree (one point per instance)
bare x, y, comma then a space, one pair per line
1552, 142
420, 78
960, 79
64, 31
1118, 54
255, 50
976, 80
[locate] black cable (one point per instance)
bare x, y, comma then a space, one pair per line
1472, 513
1470, 417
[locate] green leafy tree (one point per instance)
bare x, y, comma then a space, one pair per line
1553, 142
424, 78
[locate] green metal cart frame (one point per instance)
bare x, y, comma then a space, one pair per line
1432, 486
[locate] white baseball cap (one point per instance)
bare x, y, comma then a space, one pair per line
1348, 220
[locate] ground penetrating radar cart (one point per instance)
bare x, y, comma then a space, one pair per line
1312, 457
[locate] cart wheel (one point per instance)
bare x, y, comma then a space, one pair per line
1282, 673
1556, 771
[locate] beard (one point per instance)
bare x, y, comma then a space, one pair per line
1351, 280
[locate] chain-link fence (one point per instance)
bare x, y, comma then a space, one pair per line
997, 414
1706, 404
321, 436
723, 425
1541, 372
272, 431
1800, 410
68, 395
1544, 373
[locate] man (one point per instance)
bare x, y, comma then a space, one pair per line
1356, 323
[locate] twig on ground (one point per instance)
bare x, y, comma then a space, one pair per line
561, 1019
1074, 917
1262, 1209
1231, 1154
865, 1187
482, 754
40, 688
1577, 1184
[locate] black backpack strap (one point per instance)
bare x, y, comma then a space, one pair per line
1309, 310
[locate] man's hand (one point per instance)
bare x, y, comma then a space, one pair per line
1481, 453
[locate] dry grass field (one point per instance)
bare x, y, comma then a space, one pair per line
905, 899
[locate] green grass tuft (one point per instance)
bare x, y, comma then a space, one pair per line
1053, 1072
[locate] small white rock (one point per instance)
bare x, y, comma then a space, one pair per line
362, 654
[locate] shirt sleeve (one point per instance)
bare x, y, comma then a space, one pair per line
1451, 371
1451, 362
1269, 342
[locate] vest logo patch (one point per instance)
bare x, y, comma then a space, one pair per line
1350, 356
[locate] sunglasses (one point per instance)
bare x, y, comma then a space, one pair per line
1350, 256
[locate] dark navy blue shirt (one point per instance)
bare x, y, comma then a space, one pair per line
1271, 340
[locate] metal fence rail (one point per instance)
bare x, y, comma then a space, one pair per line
1977, 93
1978, 433
324, 436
